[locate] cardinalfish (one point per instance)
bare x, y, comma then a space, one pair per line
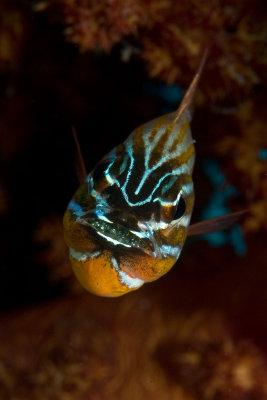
127, 223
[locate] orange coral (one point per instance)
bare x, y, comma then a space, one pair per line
173, 35
137, 351
235, 32
94, 24
240, 150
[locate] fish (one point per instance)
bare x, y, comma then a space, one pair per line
128, 221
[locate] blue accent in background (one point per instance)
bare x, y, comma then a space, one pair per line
170, 94
217, 207
263, 154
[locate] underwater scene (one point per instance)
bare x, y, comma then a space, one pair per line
117, 279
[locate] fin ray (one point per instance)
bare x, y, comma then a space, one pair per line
186, 103
214, 224
79, 161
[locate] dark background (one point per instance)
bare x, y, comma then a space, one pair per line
200, 331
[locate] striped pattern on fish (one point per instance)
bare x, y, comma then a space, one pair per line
127, 222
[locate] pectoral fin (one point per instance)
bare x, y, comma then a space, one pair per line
215, 224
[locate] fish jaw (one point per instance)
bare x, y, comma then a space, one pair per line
113, 271
111, 268
100, 274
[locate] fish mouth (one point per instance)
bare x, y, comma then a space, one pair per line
118, 234
129, 281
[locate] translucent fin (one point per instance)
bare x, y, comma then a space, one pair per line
79, 161
214, 224
186, 104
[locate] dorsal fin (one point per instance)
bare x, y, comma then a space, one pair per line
186, 103
215, 224
79, 161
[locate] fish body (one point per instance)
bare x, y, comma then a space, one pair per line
127, 222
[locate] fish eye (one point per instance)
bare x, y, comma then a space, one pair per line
180, 210
99, 171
